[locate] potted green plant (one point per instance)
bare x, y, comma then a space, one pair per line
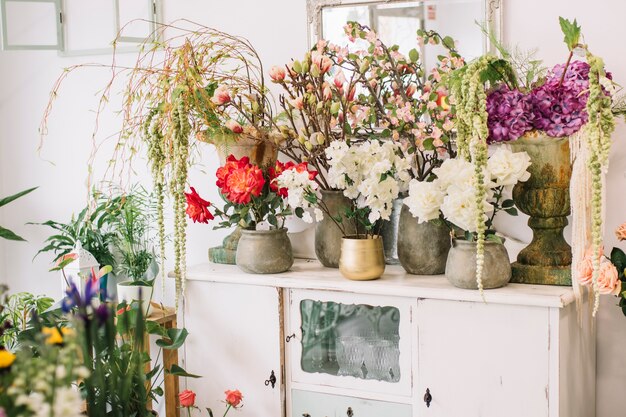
133, 247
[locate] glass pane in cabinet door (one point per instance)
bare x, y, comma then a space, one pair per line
360, 341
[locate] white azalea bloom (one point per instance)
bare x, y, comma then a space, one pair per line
507, 168
319, 215
424, 200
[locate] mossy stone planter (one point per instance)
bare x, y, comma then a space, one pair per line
264, 251
545, 198
422, 248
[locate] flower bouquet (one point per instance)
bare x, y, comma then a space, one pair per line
451, 198
370, 175
252, 197
545, 114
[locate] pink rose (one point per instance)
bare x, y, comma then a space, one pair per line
221, 96
187, 398
277, 74
621, 232
585, 267
608, 279
234, 126
233, 398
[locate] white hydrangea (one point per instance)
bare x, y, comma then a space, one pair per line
507, 168
424, 200
298, 185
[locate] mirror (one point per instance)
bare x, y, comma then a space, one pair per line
396, 21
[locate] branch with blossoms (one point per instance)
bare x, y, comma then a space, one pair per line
402, 101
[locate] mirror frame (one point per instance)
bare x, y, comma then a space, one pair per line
492, 11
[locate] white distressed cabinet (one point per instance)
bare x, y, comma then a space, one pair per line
399, 346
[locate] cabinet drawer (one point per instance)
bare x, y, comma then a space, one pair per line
358, 342
318, 404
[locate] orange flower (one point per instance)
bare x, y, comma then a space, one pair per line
187, 398
233, 398
243, 183
621, 232
231, 164
197, 208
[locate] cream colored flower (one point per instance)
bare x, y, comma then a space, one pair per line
455, 172
424, 200
507, 167
459, 207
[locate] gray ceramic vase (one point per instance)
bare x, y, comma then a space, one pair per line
461, 265
422, 248
264, 251
327, 234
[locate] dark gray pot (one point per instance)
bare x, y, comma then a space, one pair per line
461, 265
422, 248
327, 234
264, 251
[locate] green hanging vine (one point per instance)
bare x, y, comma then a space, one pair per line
597, 133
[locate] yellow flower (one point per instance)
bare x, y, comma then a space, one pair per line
6, 359
54, 337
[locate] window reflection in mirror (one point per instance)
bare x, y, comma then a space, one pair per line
397, 23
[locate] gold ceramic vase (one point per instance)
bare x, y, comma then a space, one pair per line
362, 258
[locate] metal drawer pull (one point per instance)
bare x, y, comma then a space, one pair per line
271, 380
291, 336
427, 397
350, 413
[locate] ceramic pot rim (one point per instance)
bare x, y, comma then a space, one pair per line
538, 138
264, 232
128, 283
463, 242
361, 237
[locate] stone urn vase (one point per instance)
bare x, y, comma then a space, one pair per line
261, 153
545, 198
461, 265
327, 235
362, 258
264, 251
422, 248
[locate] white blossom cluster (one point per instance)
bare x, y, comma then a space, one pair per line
300, 187
453, 193
372, 174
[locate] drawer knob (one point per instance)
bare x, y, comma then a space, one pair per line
271, 380
350, 413
428, 398
291, 336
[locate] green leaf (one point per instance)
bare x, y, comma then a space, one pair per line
299, 212
571, 32
414, 55
512, 211
9, 235
508, 203
156, 329
448, 42
618, 258
178, 371
493, 238
7, 200
175, 339
272, 220
428, 144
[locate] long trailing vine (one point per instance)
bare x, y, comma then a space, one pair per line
597, 133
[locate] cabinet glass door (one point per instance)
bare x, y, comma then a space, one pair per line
359, 342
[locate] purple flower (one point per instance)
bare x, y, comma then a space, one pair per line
510, 114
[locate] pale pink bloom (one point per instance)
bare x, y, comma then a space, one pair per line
322, 62
371, 36
221, 96
234, 126
333, 122
428, 86
457, 62
394, 120
405, 113
436, 133
327, 93
410, 90
436, 75
608, 279
298, 103
438, 143
620, 232
448, 125
431, 105
585, 267
277, 73
321, 44
339, 79
421, 125
350, 94
395, 135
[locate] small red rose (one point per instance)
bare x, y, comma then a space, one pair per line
197, 208
187, 398
233, 398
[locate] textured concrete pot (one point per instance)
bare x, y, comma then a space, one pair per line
264, 251
261, 153
422, 248
545, 198
389, 232
461, 265
362, 259
327, 234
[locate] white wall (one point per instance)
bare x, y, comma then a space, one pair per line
278, 30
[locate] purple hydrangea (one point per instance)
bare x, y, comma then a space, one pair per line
510, 114
560, 109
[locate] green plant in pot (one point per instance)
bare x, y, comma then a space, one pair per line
133, 236
451, 198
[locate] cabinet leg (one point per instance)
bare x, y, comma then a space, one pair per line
170, 357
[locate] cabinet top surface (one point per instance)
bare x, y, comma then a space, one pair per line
310, 274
